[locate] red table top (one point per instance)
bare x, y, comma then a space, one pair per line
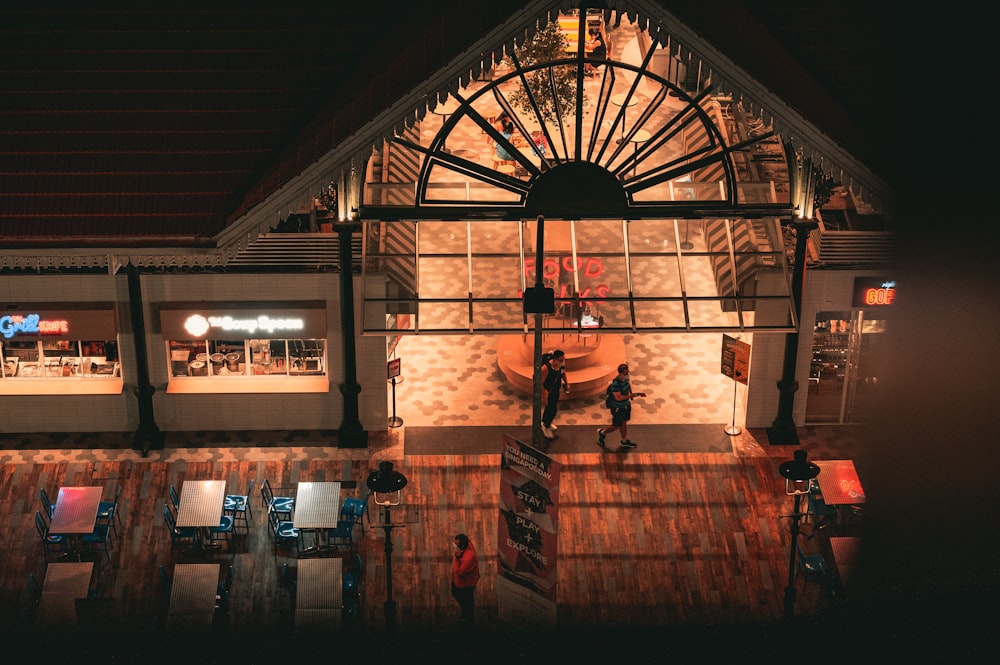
76, 510
839, 482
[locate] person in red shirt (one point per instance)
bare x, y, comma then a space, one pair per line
464, 576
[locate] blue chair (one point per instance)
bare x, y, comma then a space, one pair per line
179, 536
352, 581
341, 535
99, 540
107, 512
283, 505
813, 570
356, 508
34, 589
50, 543
47, 505
222, 593
224, 531
174, 499
821, 513
238, 505
166, 585
285, 534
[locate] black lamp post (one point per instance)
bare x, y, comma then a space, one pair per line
386, 485
782, 430
798, 474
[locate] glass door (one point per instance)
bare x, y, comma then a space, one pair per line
844, 374
829, 367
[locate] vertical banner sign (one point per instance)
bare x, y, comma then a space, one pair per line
735, 358
526, 536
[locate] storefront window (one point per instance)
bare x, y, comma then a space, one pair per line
247, 358
60, 359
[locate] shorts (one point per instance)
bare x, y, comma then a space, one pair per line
620, 415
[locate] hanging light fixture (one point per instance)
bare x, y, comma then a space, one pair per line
386, 485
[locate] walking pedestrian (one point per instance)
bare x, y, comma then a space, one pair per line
620, 401
553, 381
464, 576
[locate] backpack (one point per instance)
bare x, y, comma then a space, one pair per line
609, 400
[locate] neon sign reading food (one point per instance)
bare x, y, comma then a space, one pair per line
552, 268
198, 325
31, 324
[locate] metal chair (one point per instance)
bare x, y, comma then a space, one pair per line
285, 534
340, 535
34, 589
165, 583
179, 535
50, 543
99, 540
107, 512
224, 531
283, 505
174, 499
222, 592
356, 508
47, 505
238, 505
821, 513
352, 582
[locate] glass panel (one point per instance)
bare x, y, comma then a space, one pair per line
445, 184
444, 316
444, 277
699, 276
307, 357
497, 278
656, 276
184, 358
707, 313
660, 314
498, 316
828, 366
651, 236
443, 238
494, 237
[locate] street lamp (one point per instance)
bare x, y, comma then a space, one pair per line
386, 485
798, 474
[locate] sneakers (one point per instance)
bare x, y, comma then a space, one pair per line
600, 437
553, 427
547, 433
627, 443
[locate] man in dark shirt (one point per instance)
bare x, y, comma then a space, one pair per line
621, 408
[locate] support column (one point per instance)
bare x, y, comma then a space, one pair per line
351, 433
782, 431
147, 436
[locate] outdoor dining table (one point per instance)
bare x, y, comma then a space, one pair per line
201, 506
317, 507
63, 584
839, 483
192, 597
75, 515
319, 594
845, 555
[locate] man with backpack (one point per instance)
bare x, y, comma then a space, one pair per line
619, 400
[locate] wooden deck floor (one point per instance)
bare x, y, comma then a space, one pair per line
655, 542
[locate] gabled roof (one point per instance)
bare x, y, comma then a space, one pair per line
151, 128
